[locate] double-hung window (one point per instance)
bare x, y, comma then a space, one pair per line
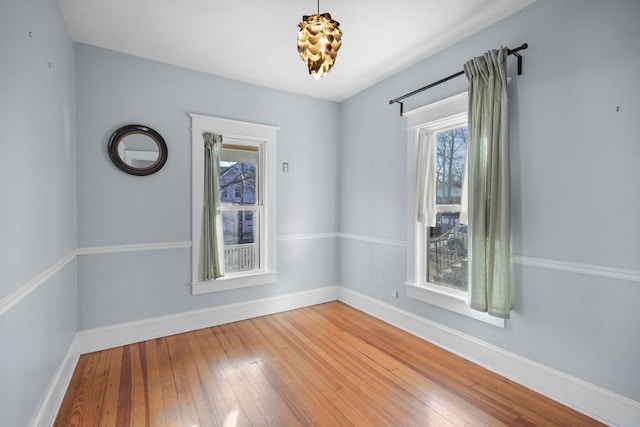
247, 181
438, 244
241, 205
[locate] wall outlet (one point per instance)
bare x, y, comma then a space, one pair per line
394, 293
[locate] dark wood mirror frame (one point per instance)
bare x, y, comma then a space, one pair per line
127, 130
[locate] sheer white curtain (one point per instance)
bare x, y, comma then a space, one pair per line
213, 237
426, 178
488, 184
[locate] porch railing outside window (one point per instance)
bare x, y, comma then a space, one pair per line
447, 252
241, 257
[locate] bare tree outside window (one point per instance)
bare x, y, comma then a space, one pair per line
448, 240
451, 154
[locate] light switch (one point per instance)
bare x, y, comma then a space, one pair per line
285, 167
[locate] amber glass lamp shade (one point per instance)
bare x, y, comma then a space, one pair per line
319, 40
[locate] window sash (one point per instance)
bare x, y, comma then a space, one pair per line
447, 208
245, 258
239, 151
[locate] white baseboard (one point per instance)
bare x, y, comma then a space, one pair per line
127, 333
594, 401
589, 399
52, 401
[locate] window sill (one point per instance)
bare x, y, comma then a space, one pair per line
450, 302
233, 282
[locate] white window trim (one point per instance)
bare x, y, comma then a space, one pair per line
265, 136
436, 115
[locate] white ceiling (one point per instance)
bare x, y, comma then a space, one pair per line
255, 40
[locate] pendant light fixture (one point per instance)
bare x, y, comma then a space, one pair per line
319, 39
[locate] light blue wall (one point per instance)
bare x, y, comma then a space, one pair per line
574, 172
114, 208
35, 336
37, 201
574, 185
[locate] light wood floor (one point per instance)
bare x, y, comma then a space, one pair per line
327, 365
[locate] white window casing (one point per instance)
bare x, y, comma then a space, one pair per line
251, 134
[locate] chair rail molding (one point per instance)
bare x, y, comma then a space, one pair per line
627, 274
99, 250
372, 239
13, 298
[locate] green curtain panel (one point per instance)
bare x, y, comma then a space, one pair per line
488, 184
213, 238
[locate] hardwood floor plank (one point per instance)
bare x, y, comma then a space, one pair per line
308, 366
108, 413
208, 414
430, 394
412, 399
65, 408
312, 354
419, 356
140, 386
330, 373
289, 372
219, 389
355, 379
234, 378
456, 367
81, 404
185, 401
270, 404
125, 393
170, 403
325, 365
156, 414
366, 360
72, 393
217, 400
95, 396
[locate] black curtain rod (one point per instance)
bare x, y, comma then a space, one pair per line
452, 76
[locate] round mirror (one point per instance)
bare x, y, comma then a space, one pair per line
137, 150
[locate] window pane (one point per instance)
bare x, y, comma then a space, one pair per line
239, 227
241, 240
447, 252
238, 176
451, 153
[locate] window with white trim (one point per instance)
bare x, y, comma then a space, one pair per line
447, 241
437, 256
247, 182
